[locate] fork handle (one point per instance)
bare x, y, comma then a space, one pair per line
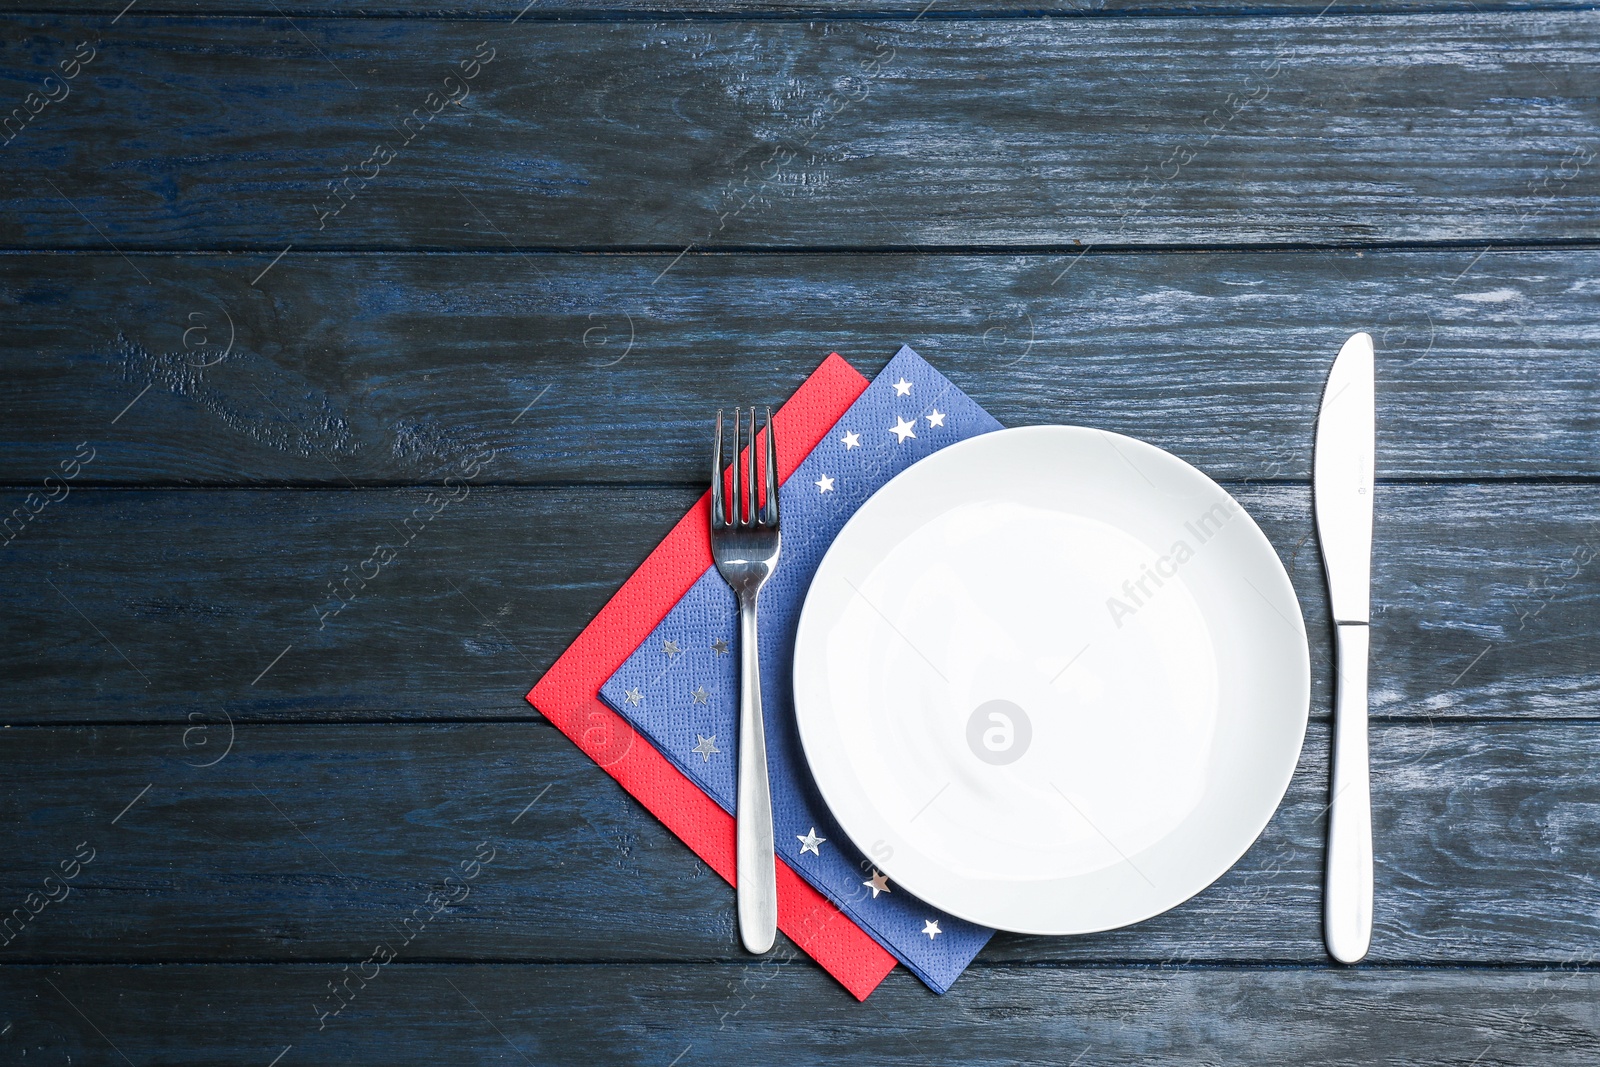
757, 871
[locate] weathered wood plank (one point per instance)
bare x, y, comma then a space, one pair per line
149, 604
386, 368
231, 133
756, 1014
310, 842
522, 10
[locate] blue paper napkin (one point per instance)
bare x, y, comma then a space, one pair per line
681, 687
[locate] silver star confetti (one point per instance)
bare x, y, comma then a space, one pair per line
902, 388
931, 928
700, 695
851, 440
824, 484
809, 842
903, 429
634, 697
879, 883
935, 417
720, 647
705, 748
671, 649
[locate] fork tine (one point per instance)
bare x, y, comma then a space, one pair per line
769, 513
735, 475
718, 514
751, 455
735, 471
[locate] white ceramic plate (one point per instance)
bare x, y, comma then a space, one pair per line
1052, 680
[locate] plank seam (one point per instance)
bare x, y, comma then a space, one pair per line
1221, 964
1096, 250
1282, 12
391, 721
1495, 481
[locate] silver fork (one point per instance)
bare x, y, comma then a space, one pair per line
744, 543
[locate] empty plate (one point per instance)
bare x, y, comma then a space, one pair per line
1052, 680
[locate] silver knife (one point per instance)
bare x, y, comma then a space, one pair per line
1342, 490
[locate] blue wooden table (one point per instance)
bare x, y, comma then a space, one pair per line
272, 272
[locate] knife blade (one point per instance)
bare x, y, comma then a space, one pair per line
1342, 474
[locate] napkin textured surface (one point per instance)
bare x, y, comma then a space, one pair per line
681, 687
567, 695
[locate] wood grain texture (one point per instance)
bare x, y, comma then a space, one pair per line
274, 781
420, 1014
147, 605
602, 10
228, 133
310, 842
383, 369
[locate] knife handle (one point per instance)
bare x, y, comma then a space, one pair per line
1347, 901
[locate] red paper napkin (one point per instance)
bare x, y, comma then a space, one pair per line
567, 696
